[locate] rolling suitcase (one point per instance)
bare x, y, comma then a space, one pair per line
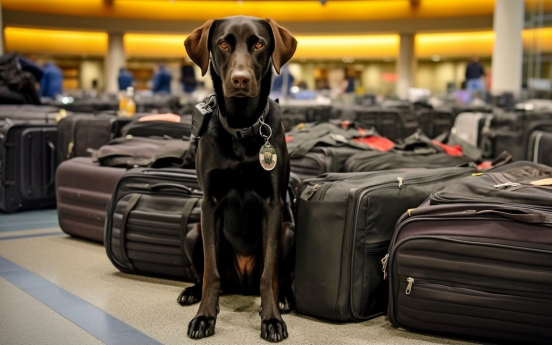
148, 217
394, 124
27, 165
344, 225
321, 159
540, 147
470, 126
36, 114
83, 190
434, 122
175, 130
475, 259
80, 132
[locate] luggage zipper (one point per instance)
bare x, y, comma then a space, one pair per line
384, 265
410, 281
507, 184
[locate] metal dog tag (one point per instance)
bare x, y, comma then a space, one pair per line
267, 156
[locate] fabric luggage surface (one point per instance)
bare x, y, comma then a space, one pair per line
540, 147
320, 160
27, 165
83, 190
80, 132
475, 259
434, 122
148, 217
345, 223
394, 124
175, 130
30, 113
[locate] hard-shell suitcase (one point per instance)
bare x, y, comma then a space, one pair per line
148, 217
344, 225
540, 147
475, 259
83, 190
469, 126
37, 114
27, 165
80, 132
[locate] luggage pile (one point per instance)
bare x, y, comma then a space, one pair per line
399, 209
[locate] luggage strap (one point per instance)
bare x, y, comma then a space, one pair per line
131, 203
186, 212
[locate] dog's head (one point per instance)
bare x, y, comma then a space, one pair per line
241, 49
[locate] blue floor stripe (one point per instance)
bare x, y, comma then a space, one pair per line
95, 321
57, 233
29, 220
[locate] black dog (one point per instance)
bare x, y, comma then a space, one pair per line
242, 165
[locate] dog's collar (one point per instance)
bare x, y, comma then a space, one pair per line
250, 131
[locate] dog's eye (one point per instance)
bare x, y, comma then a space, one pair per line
259, 45
224, 45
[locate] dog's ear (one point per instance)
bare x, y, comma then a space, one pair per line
197, 46
284, 45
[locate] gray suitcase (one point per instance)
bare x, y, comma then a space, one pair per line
540, 147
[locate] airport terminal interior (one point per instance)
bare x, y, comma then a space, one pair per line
59, 283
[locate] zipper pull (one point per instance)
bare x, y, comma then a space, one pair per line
410, 281
400, 181
309, 193
507, 184
384, 265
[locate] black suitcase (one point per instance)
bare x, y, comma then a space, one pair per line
148, 217
27, 165
540, 147
394, 124
175, 130
434, 122
344, 225
322, 159
31, 113
80, 132
475, 259
83, 190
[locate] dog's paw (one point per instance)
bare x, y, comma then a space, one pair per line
273, 330
190, 295
201, 327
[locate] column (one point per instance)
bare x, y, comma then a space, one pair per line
1, 33
508, 47
114, 60
405, 65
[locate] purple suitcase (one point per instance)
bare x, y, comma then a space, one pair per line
83, 191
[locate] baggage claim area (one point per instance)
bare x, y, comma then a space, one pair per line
418, 208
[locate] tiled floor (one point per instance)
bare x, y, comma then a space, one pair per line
55, 289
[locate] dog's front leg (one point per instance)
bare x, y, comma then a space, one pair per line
273, 327
203, 324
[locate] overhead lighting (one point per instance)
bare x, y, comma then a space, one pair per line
435, 58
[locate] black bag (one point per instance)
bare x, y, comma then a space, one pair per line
175, 130
434, 122
142, 152
31, 113
322, 159
474, 260
79, 133
540, 147
83, 190
148, 217
27, 166
16, 85
345, 223
394, 124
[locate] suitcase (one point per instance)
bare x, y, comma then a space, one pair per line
80, 132
322, 159
27, 165
540, 147
434, 122
37, 114
475, 259
345, 224
394, 124
469, 126
511, 131
175, 130
148, 217
83, 190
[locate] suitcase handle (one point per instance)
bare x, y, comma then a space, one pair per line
160, 186
520, 217
52, 148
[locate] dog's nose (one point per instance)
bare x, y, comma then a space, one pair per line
241, 79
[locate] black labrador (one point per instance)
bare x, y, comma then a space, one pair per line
242, 165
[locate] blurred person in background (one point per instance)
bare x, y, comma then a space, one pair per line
188, 77
125, 79
161, 80
474, 76
282, 83
51, 81
347, 91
